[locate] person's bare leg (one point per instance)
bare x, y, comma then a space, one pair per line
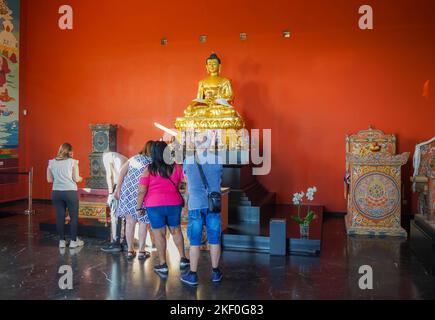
215, 254
177, 235
151, 235
160, 239
194, 258
142, 236
130, 225
123, 224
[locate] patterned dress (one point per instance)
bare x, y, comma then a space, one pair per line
130, 188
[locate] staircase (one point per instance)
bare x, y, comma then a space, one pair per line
245, 205
248, 206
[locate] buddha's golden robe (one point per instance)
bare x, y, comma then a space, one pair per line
212, 108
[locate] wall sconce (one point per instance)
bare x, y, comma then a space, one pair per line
202, 38
163, 41
243, 36
286, 34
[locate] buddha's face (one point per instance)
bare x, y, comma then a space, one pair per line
213, 66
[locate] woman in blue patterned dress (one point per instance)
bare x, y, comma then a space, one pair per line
127, 191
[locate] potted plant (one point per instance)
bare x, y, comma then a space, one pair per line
304, 224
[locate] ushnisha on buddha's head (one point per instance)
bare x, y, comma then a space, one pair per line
213, 64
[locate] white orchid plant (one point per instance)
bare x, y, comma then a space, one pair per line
297, 201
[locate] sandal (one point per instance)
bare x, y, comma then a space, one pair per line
131, 255
143, 255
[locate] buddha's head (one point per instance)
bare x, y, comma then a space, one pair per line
213, 64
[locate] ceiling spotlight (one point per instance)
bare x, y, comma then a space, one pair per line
202, 38
286, 34
243, 36
163, 41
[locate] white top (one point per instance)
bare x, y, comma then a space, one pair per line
113, 162
62, 171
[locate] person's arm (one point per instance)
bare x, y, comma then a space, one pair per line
109, 171
109, 159
50, 177
122, 174
76, 173
181, 177
183, 185
143, 188
184, 171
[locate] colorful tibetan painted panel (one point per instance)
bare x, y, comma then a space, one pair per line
374, 202
9, 77
375, 198
432, 196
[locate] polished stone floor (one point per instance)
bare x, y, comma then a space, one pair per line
30, 260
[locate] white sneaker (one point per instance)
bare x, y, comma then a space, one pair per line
74, 251
62, 244
78, 243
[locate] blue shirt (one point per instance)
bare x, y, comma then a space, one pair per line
198, 196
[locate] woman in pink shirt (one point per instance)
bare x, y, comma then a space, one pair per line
158, 193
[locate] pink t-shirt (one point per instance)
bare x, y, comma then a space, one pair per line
161, 192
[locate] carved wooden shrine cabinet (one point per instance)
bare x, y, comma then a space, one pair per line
374, 181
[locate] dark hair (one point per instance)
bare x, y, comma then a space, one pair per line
158, 166
213, 56
146, 151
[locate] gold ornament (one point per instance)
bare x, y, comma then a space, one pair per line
212, 107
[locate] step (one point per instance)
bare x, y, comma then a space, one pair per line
249, 243
259, 243
240, 203
237, 199
256, 198
244, 213
263, 199
252, 212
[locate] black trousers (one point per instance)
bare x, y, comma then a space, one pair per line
118, 226
63, 200
120, 230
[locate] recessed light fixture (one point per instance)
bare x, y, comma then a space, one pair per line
163, 41
286, 34
243, 36
202, 38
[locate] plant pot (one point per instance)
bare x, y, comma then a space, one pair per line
304, 230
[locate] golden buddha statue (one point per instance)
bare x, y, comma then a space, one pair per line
212, 107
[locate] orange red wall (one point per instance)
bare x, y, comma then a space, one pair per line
328, 80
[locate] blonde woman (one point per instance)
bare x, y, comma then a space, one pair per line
63, 172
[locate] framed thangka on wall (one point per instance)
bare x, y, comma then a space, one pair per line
9, 87
9, 77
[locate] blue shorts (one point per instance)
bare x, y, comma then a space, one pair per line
162, 216
196, 220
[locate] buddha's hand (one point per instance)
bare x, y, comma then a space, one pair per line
223, 102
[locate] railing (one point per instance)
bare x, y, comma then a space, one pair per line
20, 171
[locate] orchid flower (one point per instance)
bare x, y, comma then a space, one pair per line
310, 193
297, 198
